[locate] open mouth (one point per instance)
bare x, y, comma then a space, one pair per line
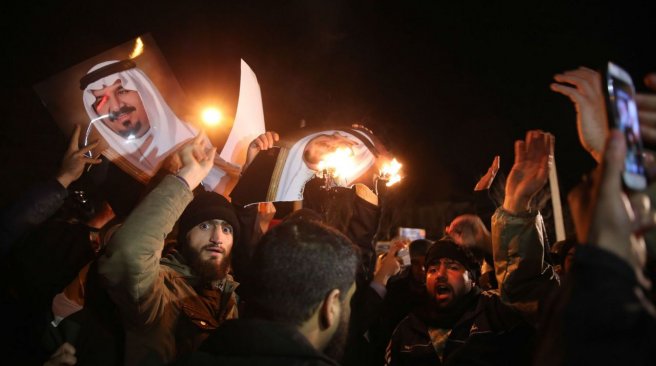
442, 290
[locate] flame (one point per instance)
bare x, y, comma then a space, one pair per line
390, 172
212, 116
138, 48
339, 163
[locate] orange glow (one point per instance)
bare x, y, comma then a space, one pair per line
391, 172
138, 48
211, 116
340, 164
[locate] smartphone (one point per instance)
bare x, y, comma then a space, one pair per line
412, 233
623, 115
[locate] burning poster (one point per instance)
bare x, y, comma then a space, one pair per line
343, 156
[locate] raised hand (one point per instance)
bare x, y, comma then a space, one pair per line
197, 160
389, 265
469, 230
263, 142
529, 172
75, 159
486, 180
583, 87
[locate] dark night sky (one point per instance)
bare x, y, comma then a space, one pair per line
447, 86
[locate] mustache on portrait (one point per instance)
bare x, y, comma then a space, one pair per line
113, 115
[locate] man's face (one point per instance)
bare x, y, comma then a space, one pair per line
322, 145
129, 118
209, 245
447, 281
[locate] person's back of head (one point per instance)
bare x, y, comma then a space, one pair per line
295, 265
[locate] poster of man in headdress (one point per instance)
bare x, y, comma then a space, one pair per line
280, 175
128, 97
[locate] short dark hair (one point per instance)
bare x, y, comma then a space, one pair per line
295, 265
419, 247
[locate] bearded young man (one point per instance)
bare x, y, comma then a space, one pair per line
170, 305
298, 304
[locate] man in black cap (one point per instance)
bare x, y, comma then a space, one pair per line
170, 305
459, 324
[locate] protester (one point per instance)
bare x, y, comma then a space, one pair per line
170, 305
303, 278
459, 323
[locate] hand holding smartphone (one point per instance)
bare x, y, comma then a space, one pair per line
619, 93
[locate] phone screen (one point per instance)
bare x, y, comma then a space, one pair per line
624, 116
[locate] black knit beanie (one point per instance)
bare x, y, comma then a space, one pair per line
207, 206
448, 249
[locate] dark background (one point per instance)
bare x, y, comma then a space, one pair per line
447, 85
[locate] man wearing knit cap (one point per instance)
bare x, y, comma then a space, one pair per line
460, 324
170, 305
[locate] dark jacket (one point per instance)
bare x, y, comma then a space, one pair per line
488, 333
600, 316
259, 343
499, 329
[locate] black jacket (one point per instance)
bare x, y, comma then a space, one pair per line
489, 332
256, 342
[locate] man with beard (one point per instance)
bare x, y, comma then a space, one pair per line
462, 325
297, 307
170, 305
459, 324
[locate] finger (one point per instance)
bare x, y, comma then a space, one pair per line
276, 137
590, 72
199, 139
647, 118
573, 94
210, 156
519, 151
496, 164
260, 142
68, 348
269, 139
648, 134
582, 82
91, 161
74, 143
88, 148
646, 101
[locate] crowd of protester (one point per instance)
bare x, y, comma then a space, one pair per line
185, 277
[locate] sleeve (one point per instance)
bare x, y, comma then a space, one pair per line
35, 207
524, 278
130, 268
601, 315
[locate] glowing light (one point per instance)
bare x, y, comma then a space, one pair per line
211, 116
138, 48
340, 164
390, 172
